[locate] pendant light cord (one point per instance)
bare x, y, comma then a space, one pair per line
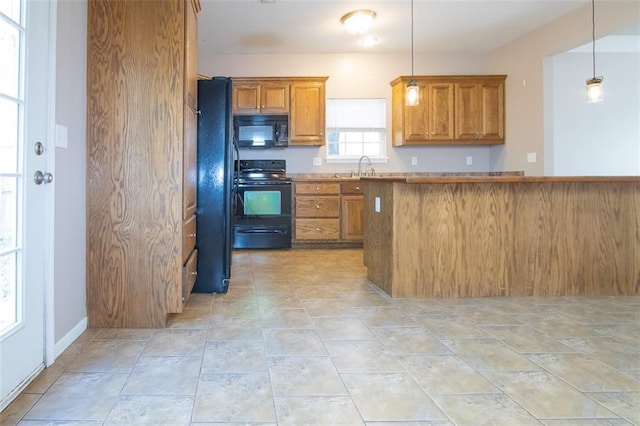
411, 38
593, 36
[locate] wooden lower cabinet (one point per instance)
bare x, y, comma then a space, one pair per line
328, 212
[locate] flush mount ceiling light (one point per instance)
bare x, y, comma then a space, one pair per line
412, 94
594, 85
358, 21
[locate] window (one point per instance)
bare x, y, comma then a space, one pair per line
356, 127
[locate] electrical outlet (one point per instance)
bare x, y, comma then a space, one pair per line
531, 157
376, 205
414, 161
317, 161
469, 160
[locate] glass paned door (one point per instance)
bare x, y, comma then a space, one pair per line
25, 207
11, 105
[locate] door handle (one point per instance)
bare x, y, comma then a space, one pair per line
40, 178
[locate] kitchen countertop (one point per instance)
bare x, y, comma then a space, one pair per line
391, 176
498, 179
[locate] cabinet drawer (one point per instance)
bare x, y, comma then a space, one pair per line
352, 187
317, 206
188, 237
317, 229
318, 188
189, 274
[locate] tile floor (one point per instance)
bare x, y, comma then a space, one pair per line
303, 338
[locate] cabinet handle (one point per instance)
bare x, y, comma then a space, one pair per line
317, 188
317, 206
192, 235
194, 273
318, 229
357, 187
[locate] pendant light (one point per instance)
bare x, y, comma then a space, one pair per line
594, 85
412, 95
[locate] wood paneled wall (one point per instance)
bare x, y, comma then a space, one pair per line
135, 89
504, 239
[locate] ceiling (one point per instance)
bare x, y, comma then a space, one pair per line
313, 26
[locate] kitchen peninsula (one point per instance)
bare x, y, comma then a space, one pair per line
502, 235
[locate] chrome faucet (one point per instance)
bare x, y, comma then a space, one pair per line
360, 163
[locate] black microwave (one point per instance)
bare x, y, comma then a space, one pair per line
261, 131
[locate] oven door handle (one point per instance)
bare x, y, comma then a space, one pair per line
262, 231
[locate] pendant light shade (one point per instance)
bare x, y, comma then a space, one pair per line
594, 85
412, 93
594, 90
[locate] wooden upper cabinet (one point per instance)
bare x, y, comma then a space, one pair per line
480, 111
452, 110
432, 118
252, 97
307, 118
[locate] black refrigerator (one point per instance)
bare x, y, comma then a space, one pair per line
216, 155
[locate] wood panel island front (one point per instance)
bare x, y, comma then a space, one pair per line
503, 236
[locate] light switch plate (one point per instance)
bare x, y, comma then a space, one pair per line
469, 160
61, 136
376, 205
531, 157
414, 161
317, 161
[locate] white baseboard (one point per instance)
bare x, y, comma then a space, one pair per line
70, 337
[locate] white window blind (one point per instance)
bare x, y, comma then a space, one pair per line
356, 127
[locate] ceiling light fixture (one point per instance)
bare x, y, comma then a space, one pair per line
358, 21
594, 85
412, 95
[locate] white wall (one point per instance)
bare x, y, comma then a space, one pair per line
523, 61
595, 139
69, 225
357, 76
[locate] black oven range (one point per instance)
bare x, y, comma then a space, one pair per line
262, 211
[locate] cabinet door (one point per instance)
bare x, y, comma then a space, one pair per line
491, 111
467, 125
307, 114
189, 148
440, 111
191, 55
189, 163
416, 127
351, 218
246, 98
274, 98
